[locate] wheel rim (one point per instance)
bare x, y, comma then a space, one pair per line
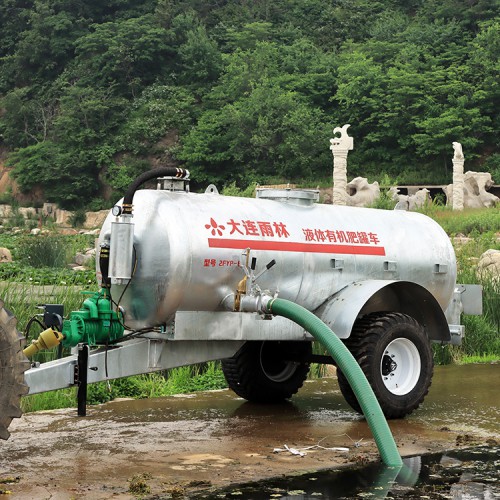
273, 366
400, 366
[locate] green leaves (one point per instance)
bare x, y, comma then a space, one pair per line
243, 91
268, 132
127, 53
410, 96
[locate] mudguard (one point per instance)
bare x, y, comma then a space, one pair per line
342, 309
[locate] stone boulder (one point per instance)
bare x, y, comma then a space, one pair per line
95, 219
62, 217
489, 264
5, 255
28, 212
82, 259
5, 211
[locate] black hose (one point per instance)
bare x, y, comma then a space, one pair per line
34, 319
104, 267
181, 173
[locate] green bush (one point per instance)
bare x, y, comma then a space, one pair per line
233, 190
384, 202
44, 251
77, 218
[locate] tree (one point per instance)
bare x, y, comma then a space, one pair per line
270, 133
246, 89
127, 54
88, 116
58, 172
160, 110
43, 51
26, 119
200, 59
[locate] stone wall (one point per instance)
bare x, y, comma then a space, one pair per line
49, 211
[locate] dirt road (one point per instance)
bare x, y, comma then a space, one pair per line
178, 445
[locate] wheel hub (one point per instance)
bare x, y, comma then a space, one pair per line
388, 365
400, 366
273, 365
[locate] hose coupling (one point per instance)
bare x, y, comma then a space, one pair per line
256, 303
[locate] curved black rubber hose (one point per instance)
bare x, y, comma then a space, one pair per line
181, 173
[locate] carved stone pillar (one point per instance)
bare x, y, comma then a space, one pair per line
340, 147
458, 178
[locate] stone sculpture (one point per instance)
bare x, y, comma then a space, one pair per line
409, 202
361, 193
458, 177
340, 146
475, 190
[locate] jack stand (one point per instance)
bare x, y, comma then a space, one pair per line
81, 378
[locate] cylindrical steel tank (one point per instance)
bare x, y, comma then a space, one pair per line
188, 249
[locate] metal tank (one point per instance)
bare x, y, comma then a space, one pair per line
187, 278
188, 251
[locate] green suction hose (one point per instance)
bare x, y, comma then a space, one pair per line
350, 368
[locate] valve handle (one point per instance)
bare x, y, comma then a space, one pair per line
268, 266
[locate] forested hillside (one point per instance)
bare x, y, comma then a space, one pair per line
95, 92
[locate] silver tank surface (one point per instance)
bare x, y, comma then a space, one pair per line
189, 249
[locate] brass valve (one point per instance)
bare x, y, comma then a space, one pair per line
241, 290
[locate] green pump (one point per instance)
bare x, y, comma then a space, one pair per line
95, 323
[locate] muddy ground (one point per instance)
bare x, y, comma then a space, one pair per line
180, 445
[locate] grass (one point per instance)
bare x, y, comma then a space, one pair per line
23, 299
62, 398
487, 358
183, 380
470, 222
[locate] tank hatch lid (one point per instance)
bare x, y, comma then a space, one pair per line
302, 197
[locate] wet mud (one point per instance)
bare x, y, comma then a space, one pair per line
190, 445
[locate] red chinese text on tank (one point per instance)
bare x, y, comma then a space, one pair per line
275, 236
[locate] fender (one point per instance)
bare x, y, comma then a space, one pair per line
342, 309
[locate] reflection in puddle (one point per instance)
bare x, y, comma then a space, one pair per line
463, 474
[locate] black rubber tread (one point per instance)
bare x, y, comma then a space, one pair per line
13, 364
366, 342
245, 376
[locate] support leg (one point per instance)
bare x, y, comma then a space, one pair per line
83, 364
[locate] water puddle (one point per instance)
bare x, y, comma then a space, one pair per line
464, 474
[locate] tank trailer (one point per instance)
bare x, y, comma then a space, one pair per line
185, 278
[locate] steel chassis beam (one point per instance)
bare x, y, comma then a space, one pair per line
130, 358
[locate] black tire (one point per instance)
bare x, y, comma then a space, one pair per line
13, 364
262, 372
394, 353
